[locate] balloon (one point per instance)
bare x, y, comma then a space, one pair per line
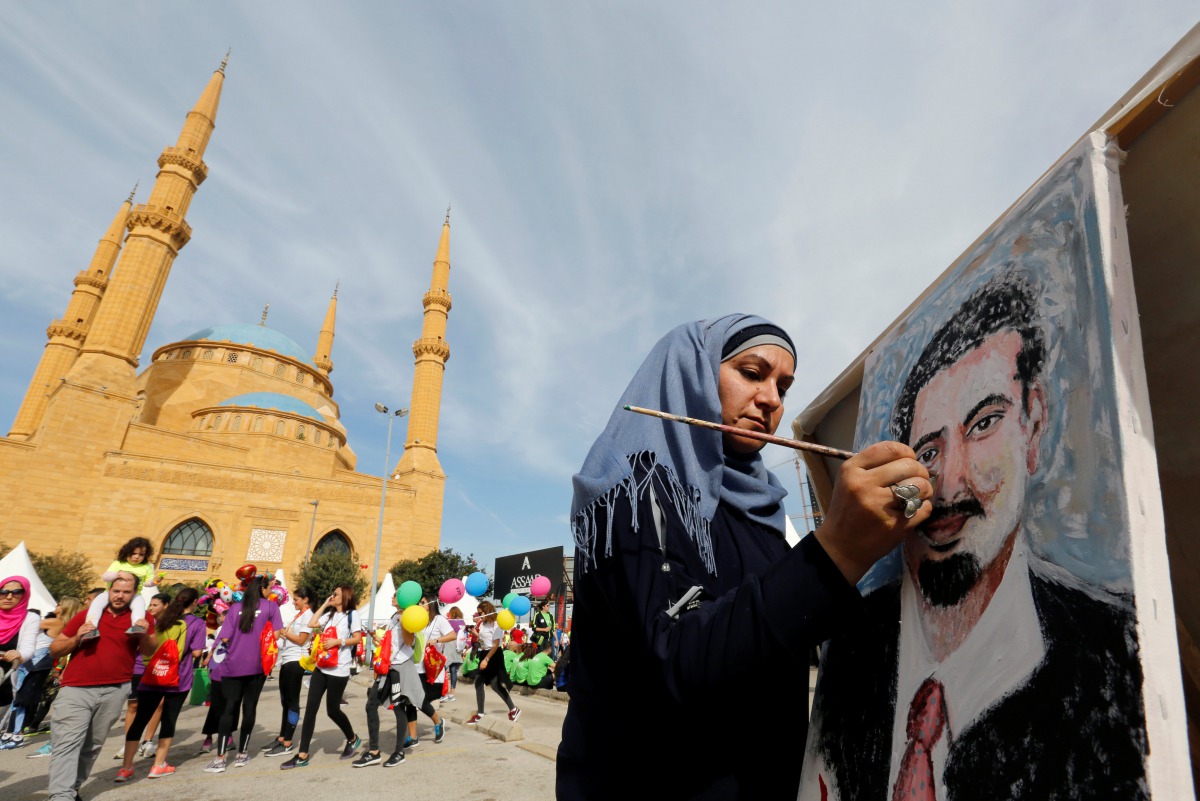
477, 584
505, 619
237, 596
408, 594
246, 572
519, 606
452, 591
414, 618
226, 594
211, 620
508, 599
540, 587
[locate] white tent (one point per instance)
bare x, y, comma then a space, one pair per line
383, 601
16, 563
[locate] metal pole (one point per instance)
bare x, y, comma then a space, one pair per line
313, 525
387, 466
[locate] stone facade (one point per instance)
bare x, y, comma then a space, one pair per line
218, 449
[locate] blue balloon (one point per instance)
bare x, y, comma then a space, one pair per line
477, 584
237, 595
519, 606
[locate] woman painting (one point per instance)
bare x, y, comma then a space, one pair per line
680, 547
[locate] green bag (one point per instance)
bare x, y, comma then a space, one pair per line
470, 663
200, 686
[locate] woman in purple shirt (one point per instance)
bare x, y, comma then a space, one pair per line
242, 675
170, 624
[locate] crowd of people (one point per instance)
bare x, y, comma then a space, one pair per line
81, 664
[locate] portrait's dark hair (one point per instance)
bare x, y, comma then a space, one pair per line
1006, 303
250, 598
349, 597
134, 544
304, 594
175, 607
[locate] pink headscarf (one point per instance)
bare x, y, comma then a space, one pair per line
11, 619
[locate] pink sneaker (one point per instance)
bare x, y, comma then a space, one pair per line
513, 714
124, 775
158, 771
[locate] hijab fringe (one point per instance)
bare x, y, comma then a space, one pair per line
685, 500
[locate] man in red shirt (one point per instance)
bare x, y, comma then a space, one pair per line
94, 686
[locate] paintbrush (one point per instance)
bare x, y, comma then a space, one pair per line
799, 445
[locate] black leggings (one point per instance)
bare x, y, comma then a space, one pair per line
147, 703
317, 686
216, 708
291, 680
240, 692
432, 692
400, 708
494, 675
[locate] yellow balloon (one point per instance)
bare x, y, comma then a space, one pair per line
414, 619
505, 619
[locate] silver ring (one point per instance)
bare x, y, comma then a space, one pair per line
910, 494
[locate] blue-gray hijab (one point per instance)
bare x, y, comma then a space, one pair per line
679, 376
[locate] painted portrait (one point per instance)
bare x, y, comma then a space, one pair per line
998, 657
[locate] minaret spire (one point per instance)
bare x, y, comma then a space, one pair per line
324, 356
263, 322
157, 231
67, 334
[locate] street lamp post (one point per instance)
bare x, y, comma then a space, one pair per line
387, 466
313, 525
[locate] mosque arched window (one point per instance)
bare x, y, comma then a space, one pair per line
231, 358
190, 538
316, 436
208, 355
257, 363
217, 421
258, 424
236, 423
187, 354
334, 542
281, 428
300, 432
299, 377
280, 370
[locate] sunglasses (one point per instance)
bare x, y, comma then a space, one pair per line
18, 593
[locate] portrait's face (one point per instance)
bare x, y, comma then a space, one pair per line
11, 594
137, 556
155, 606
298, 602
751, 387
972, 433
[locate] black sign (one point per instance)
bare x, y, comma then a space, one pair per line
515, 573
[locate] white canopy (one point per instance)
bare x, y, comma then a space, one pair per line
383, 601
16, 563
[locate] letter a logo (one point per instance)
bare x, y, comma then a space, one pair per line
525, 564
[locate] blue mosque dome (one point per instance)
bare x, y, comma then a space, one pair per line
275, 401
257, 335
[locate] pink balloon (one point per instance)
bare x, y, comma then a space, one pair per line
452, 591
540, 586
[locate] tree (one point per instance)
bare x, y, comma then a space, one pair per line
63, 572
432, 569
327, 570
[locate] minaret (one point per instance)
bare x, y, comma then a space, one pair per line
419, 466
324, 356
66, 335
157, 231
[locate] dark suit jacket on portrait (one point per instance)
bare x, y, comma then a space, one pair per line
1074, 730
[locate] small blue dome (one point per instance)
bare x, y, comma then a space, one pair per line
257, 335
275, 401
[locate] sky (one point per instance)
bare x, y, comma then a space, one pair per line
613, 169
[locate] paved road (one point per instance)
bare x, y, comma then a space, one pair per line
467, 764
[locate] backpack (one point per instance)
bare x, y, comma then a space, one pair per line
435, 661
163, 668
269, 648
381, 660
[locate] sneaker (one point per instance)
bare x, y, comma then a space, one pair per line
269, 746
411, 742
216, 766
91, 635
294, 762
5, 737
394, 760
351, 748
135, 630
514, 713
44, 751
439, 731
123, 775
279, 749
229, 744
367, 759
478, 716
12, 742
207, 747
146, 749
158, 771
241, 760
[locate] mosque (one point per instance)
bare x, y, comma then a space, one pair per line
227, 448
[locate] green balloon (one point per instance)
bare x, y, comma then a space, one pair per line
408, 594
508, 599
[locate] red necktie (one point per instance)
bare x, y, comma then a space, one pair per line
926, 719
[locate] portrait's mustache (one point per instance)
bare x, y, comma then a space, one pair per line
967, 507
